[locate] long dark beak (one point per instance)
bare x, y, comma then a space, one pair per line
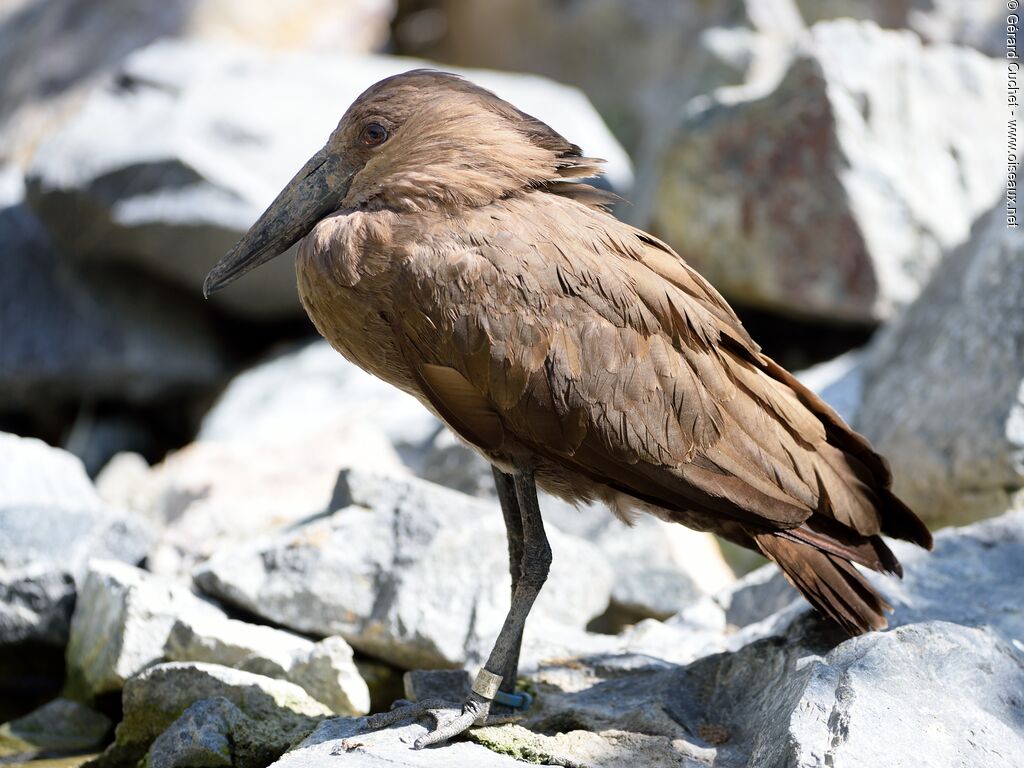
316, 191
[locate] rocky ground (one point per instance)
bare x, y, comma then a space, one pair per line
230, 545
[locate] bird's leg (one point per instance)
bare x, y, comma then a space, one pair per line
532, 572
505, 486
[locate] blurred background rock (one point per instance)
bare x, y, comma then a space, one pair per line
834, 168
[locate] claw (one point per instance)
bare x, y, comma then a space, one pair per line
452, 728
449, 719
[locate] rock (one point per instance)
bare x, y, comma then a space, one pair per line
293, 394
328, 673
92, 331
60, 726
121, 624
50, 53
51, 522
204, 735
867, 701
212, 494
977, 23
756, 596
404, 570
835, 193
345, 739
970, 578
660, 568
944, 385
578, 747
273, 713
172, 201
793, 701
232, 643
124, 482
325, 670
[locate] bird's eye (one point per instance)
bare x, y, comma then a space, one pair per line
374, 134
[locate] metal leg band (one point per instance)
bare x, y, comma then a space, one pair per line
486, 684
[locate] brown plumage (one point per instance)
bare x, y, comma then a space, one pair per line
460, 259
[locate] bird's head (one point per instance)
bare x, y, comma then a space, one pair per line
415, 141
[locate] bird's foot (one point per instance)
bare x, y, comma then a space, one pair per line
450, 719
484, 705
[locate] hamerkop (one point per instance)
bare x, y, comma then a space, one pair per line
449, 248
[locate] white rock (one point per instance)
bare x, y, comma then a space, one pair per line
213, 493
404, 570
51, 522
977, 23
122, 620
293, 394
325, 670
335, 740
233, 643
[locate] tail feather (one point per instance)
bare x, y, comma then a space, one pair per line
829, 535
828, 581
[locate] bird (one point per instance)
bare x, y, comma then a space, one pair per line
452, 245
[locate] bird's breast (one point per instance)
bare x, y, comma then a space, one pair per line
343, 272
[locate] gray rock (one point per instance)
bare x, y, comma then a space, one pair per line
204, 735
619, 749
344, 739
834, 194
50, 52
970, 578
866, 702
61, 725
756, 596
173, 200
794, 690
944, 385
276, 714
212, 494
87, 331
790, 690
404, 570
214, 732
51, 522
121, 624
